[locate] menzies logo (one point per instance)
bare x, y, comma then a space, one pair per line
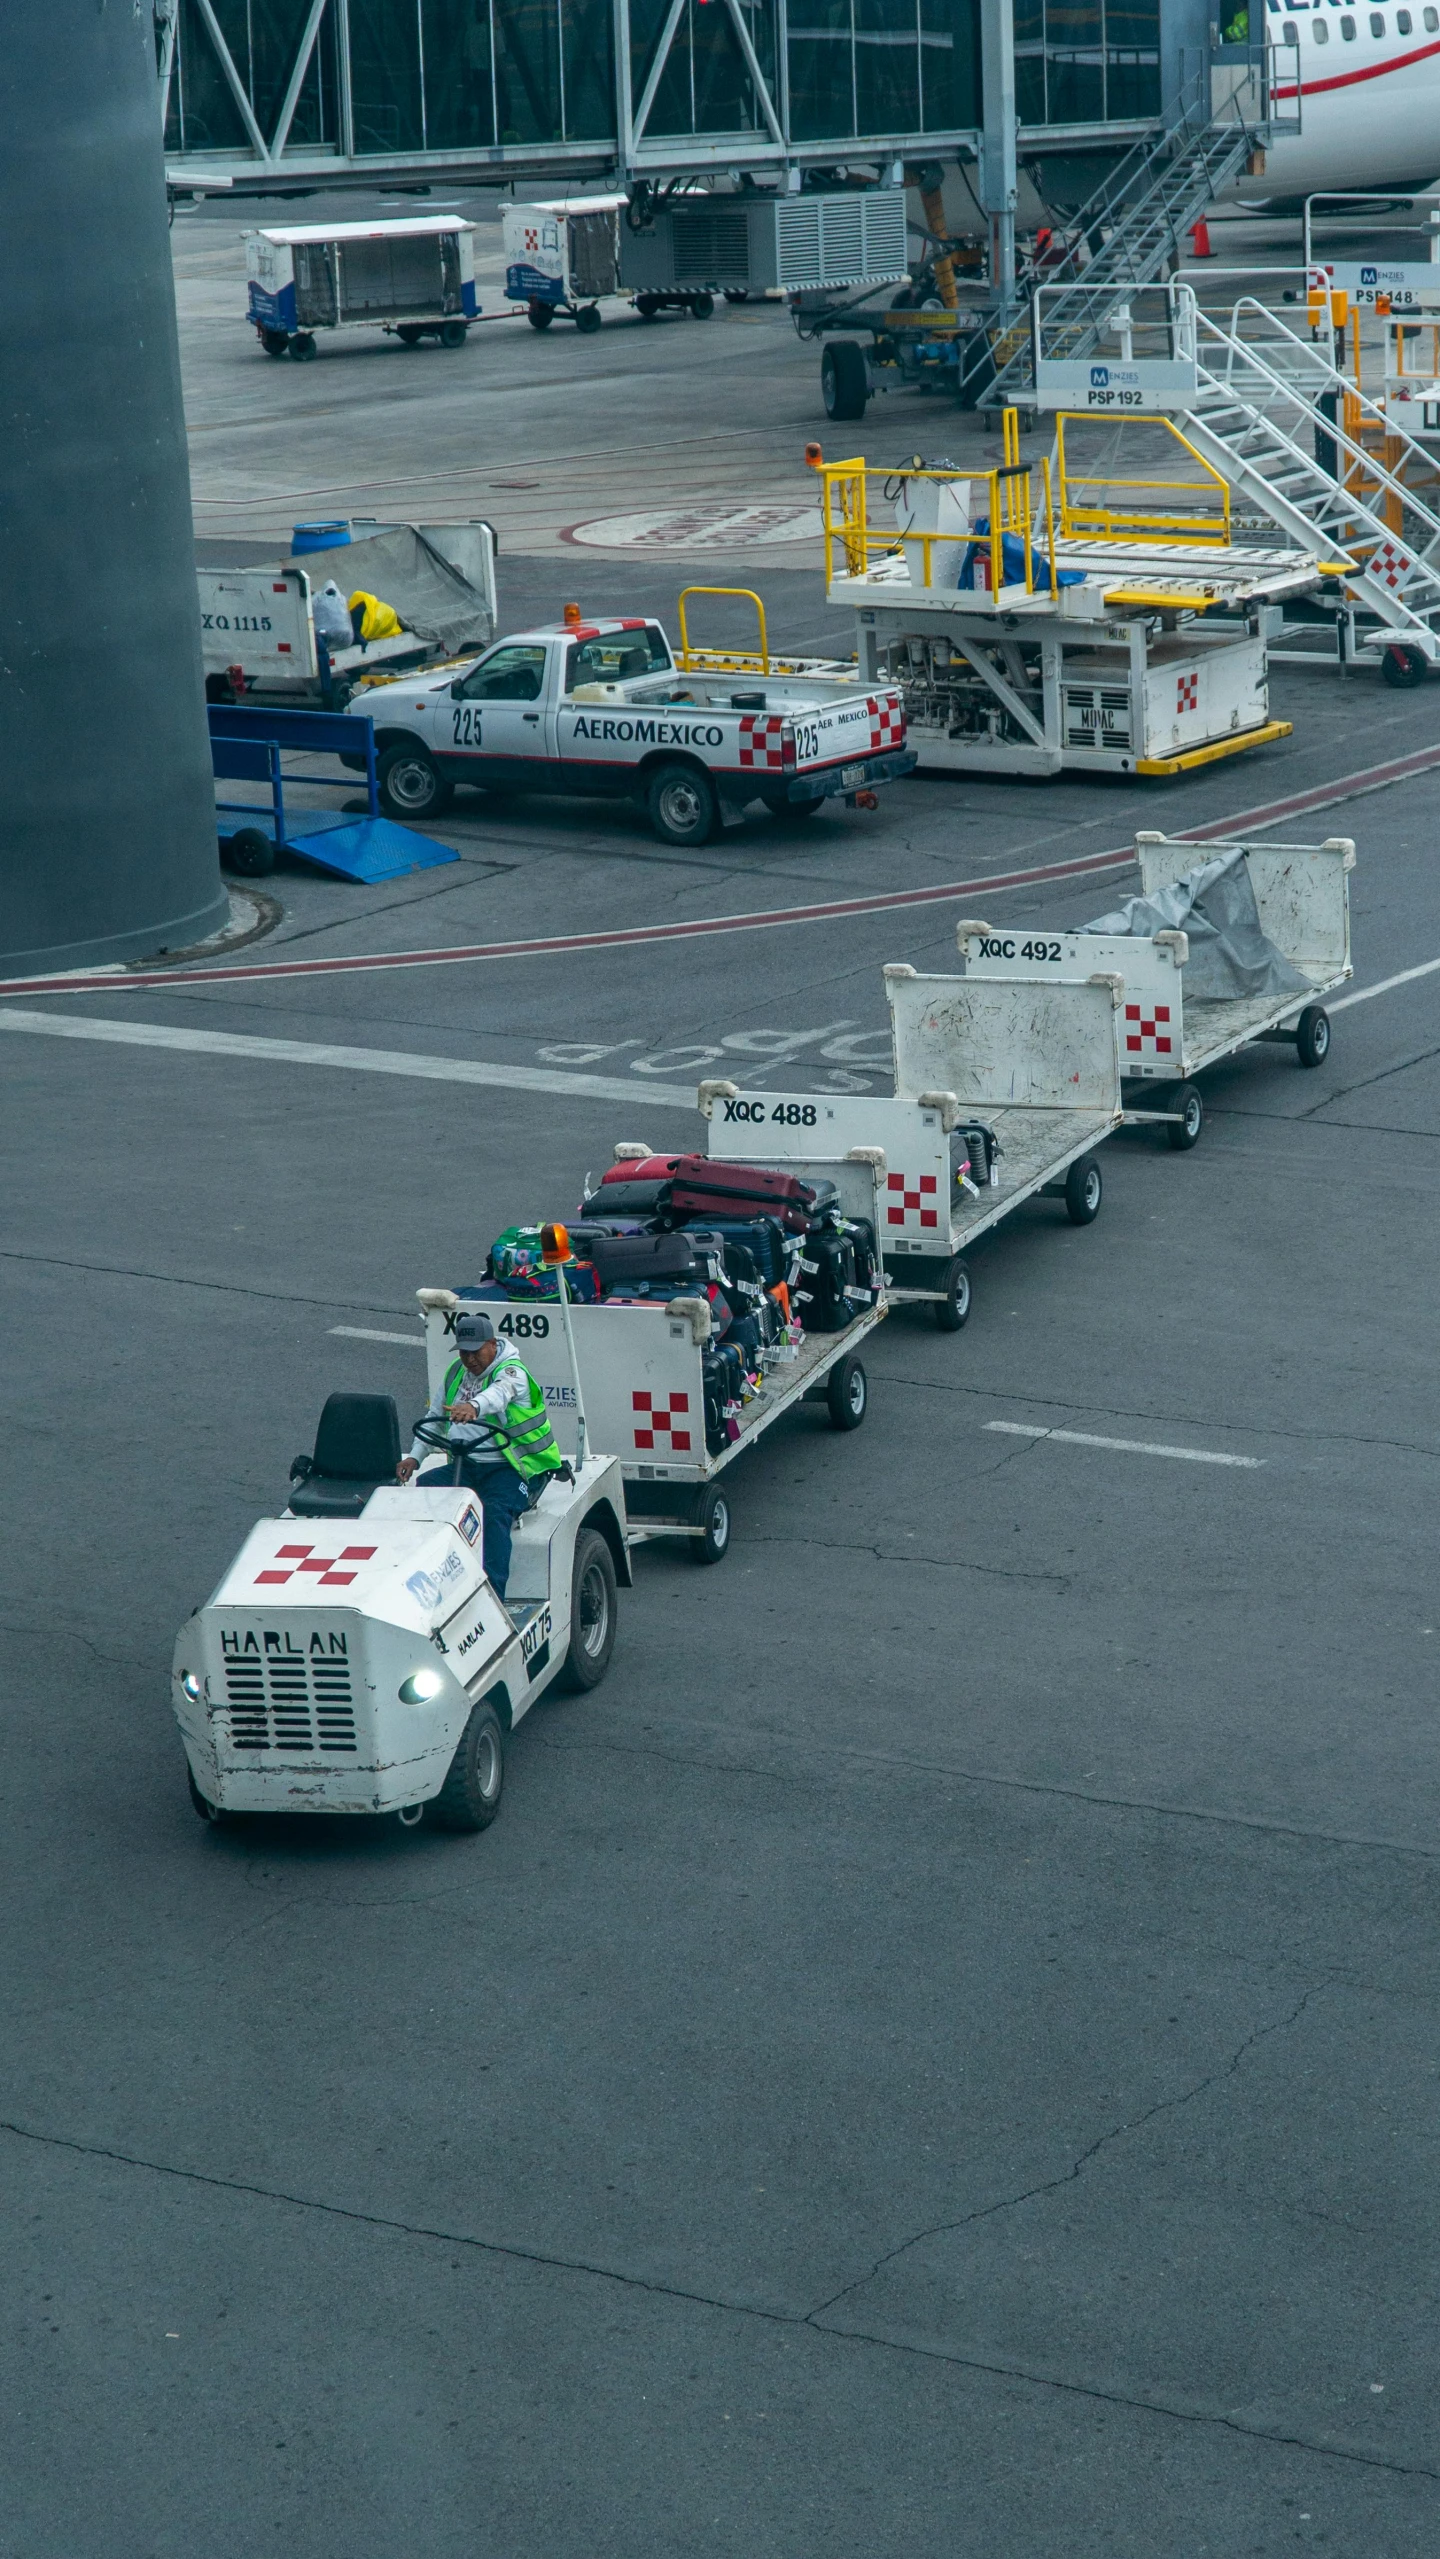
1368, 275
1099, 377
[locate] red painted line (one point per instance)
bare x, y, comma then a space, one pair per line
1376, 777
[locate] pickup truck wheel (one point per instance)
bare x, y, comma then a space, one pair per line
410, 785
1084, 1190
682, 805
844, 383
713, 1521
592, 1613
847, 1392
1312, 1036
540, 314
250, 853
794, 812
470, 1796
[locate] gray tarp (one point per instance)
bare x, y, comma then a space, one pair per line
1215, 905
432, 599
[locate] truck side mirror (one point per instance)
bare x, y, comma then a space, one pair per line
457, 688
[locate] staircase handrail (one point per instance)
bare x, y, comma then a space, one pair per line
1335, 380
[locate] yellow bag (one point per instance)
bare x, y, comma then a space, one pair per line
381, 621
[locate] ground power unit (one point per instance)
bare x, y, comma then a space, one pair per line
754, 244
416, 279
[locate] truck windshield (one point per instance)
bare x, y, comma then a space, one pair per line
512, 674
617, 657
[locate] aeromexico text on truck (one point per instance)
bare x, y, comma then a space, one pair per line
648, 732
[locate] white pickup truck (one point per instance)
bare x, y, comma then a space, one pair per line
601, 708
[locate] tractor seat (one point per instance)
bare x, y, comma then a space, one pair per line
357, 1447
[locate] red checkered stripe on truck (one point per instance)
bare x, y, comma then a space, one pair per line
761, 750
912, 1195
887, 723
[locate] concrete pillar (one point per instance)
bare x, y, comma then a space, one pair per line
107, 827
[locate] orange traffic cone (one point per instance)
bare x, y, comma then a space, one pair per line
1200, 240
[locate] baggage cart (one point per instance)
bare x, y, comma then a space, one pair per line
1036, 1065
562, 257
413, 279
1302, 896
638, 1382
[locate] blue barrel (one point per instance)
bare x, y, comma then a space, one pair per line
320, 537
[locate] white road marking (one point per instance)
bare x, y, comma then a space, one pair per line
364, 1061
1131, 1447
363, 1333
1406, 977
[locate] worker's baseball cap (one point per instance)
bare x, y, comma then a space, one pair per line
473, 1330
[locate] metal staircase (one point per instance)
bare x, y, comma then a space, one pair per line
1269, 405
1131, 230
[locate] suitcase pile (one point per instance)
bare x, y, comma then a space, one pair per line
774, 1258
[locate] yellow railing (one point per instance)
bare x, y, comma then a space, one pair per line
700, 661
1133, 513
1005, 510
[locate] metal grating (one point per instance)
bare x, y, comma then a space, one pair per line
290, 1701
1097, 715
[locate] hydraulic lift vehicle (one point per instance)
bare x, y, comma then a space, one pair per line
1302, 898
354, 1658
1018, 1081
1107, 625
603, 708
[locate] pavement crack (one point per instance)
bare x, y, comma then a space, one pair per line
945, 1563
1152, 2404
1070, 2176
224, 1288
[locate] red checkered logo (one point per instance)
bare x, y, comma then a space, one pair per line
887, 723
1187, 692
1144, 1032
532, 237
651, 1417
327, 1569
1390, 565
760, 747
911, 1199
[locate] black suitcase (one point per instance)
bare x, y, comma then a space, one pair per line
764, 1238
625, 1199
827, 1270
629, 1261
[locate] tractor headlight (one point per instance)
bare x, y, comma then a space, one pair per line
420, 1687
191, 1685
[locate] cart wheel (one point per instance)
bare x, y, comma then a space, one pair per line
587, 319
1184, 1129
540, 314
713, 1522
250, 853
302, 348
409, 337
410, 785
1312, 1036
453, 333
682, 804
274, 341
1403, 666
847, 1392
214, 1814
646, 305
470, 1796
844, 382
592, 1613
702, 306
1083, 1191
954, 1306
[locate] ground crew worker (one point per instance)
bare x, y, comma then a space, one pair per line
508, 1465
